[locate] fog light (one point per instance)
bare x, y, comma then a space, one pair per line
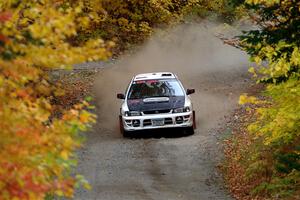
128, 122
136, 123
179, 120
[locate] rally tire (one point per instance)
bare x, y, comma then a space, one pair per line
122, 130
121, 126
126, 134
189, 131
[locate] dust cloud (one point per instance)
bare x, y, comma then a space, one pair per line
192, 51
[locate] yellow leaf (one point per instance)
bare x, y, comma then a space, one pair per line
64, 154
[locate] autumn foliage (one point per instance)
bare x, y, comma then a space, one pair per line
130, 22
37, 149
270, 157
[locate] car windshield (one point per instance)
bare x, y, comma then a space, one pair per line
155, 88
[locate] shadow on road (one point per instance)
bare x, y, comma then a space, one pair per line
159, 133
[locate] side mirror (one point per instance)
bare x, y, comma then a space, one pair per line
190, 91
120, 96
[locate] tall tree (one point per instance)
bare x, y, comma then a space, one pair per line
274, 46
36, 149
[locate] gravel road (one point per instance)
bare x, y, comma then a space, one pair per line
165, 165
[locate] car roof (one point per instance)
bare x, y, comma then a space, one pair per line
154, 75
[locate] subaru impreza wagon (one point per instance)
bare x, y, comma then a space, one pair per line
156, 101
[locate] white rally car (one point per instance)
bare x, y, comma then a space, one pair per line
156, 101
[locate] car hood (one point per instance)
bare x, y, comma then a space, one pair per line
159, 103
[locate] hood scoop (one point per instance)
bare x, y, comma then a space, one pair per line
156, 103
156, 99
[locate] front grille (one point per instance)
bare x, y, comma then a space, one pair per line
151, 112
168, 121
147, 122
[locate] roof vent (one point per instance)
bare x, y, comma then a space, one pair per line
166, 75
140, 77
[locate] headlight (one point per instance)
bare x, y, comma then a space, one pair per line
132, 113
187, 109
181, 110
178, 110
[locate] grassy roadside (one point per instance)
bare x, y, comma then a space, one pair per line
236, 150
252, 168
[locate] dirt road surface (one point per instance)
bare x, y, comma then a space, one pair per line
165, 165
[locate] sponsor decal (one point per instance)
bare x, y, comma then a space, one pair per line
146, 81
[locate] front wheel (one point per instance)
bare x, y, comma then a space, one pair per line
121, 126
122, 130
189, 131
126, 134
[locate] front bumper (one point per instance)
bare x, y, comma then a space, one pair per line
146, 122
